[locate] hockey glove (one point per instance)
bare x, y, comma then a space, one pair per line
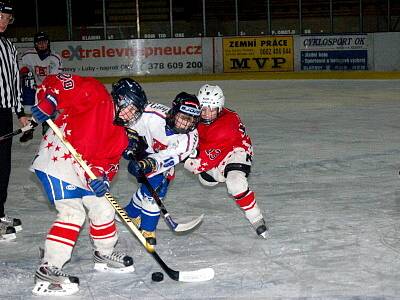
45, 108
142, 167
99, 186
47, 104
133, 146
193, 165
39, 115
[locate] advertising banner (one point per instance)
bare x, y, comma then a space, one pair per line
334, 52
129, 57
258, 54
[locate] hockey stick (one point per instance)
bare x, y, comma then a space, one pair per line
168, 219
30, 126
184, 276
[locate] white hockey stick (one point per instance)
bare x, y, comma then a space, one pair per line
184, 276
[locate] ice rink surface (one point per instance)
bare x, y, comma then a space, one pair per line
325, 173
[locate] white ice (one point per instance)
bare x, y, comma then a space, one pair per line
325, 173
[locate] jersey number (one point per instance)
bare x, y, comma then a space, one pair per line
169, 162
68, 83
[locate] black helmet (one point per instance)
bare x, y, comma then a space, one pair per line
127, 92
6, 7
42, 36
186, 104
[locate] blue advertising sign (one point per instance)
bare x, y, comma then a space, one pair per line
334, 53
339, 60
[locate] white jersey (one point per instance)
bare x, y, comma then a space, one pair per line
54, 159
41, 68
165, 146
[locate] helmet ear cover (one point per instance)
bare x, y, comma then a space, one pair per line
126, 92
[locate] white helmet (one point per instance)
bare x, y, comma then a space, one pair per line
211, 96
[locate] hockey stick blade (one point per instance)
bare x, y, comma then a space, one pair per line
184, 227
176, 227
185, 276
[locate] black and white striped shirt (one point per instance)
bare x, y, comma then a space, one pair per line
10, 89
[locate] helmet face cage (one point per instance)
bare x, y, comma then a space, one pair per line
211, 96
184, 115
128, 93
40, 37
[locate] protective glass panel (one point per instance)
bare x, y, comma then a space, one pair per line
375, 15
315, 16
346, 16
154, 19
253, 17
285, 17
187, 18
220, 18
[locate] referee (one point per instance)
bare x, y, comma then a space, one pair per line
10, 98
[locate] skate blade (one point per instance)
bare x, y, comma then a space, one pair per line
44, 288
8, 237
104, 268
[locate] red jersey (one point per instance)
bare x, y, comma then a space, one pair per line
219, 138
86, 113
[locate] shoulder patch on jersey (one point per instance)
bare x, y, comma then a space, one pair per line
158, 106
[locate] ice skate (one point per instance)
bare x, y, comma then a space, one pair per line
7, 233
51, 281
260, 228
12, 222
115, 262
150, 237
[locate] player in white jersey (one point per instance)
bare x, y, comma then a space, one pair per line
36, 64
158, 140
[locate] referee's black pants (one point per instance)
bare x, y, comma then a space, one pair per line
6, 126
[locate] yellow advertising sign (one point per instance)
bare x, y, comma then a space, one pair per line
258, 54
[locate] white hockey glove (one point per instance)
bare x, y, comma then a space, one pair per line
192, 165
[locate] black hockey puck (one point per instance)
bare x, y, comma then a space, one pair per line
157, 276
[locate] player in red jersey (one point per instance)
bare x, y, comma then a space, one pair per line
85, 116
224, 153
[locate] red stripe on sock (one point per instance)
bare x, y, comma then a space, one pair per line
246, 200
108, 230
104, 237
65, 233
106, 224
68, 224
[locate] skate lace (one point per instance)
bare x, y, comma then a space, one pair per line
116, 256
56, 271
